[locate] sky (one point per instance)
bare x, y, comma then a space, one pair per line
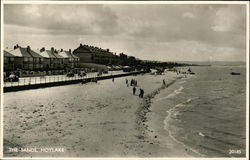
163, 32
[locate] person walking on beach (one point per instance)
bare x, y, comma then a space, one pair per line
135, 82
113, 79
141, 93
164, 83
134, 90
131, 82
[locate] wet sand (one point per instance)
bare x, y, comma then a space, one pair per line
101, 119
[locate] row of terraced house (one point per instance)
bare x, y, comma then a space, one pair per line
40, 59
25, 58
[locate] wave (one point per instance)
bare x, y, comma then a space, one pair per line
221, 141
214, 150
225, 133
182, 82
171, 112
216, 139
171, 136
174, 93
201, 134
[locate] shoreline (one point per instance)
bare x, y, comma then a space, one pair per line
155, 133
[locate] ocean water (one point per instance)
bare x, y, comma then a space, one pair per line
207, 112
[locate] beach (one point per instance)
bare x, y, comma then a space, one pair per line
101, 119
189, 116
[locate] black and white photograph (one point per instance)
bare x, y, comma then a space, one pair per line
124, 79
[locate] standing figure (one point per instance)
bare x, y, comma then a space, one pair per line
164, 83
135, 82
134, 90
141, 93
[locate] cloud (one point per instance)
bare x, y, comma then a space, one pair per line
63, 19
184, 31
188, 15
230, 19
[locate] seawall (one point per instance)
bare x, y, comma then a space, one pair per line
67, 82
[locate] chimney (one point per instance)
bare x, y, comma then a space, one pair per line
80, 44
52, 49
42, 49
69, 51
61, 50
16, 46
107, 50
28, 48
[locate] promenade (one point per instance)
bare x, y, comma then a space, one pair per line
57, 80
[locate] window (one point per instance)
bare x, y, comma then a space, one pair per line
25, 59
25, 66
30, 66
6, 60
11, 58
30, 59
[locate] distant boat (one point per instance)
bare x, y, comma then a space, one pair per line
235, 73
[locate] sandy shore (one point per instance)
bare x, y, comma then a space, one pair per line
94, 120
151, 123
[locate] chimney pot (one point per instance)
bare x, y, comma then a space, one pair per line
28, 48
52, 49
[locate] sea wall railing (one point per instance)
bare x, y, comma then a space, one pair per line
57, 80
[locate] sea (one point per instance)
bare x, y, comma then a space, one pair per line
207, 111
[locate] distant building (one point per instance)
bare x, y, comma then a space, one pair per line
75, 59
37, 59
70, 60
85, 56
49, 58
59, 61
26, 58
9, 59
91, 54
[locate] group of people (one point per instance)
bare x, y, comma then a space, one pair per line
133, 83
